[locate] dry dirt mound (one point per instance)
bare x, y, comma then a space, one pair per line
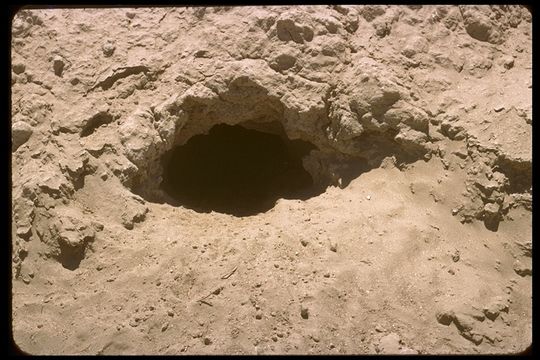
292, 179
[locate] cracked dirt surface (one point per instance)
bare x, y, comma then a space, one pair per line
419, 239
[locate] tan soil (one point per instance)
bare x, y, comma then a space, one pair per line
428, 251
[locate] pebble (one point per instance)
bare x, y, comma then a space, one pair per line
207, 341
368, 197
498, 108
304, 312
274, 338
522, 269
326, 275
170, 313
445, 317
165, 326
108, 49
304, 242
258, 316
130, 14
20, 133
333, 247
18, 68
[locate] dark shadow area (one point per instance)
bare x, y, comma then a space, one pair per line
519, 174
237, 171
95, 122
492, 224
70, 258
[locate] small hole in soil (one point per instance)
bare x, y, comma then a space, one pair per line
237, 171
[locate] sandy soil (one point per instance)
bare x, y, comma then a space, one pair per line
427, 250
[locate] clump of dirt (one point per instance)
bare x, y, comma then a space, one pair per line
264, 180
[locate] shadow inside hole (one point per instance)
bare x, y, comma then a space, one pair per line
237, 171
70, 258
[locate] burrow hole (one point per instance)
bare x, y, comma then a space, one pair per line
237, 171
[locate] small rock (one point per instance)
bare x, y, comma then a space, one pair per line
445, 317
522, 269
258, 316
165, 326
508, 62
20, 133
18, 68
326, 275
379, 328
368, 197
108, 49
207, 341
303, 242
333, 247
130, 14
455, 211
24, 232
58, 65
455, 256
494, 308
491, 209
170, 313
498, 108
304, 312
274, 338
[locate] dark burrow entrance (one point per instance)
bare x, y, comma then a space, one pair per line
237, 171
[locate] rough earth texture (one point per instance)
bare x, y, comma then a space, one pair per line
427, 251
